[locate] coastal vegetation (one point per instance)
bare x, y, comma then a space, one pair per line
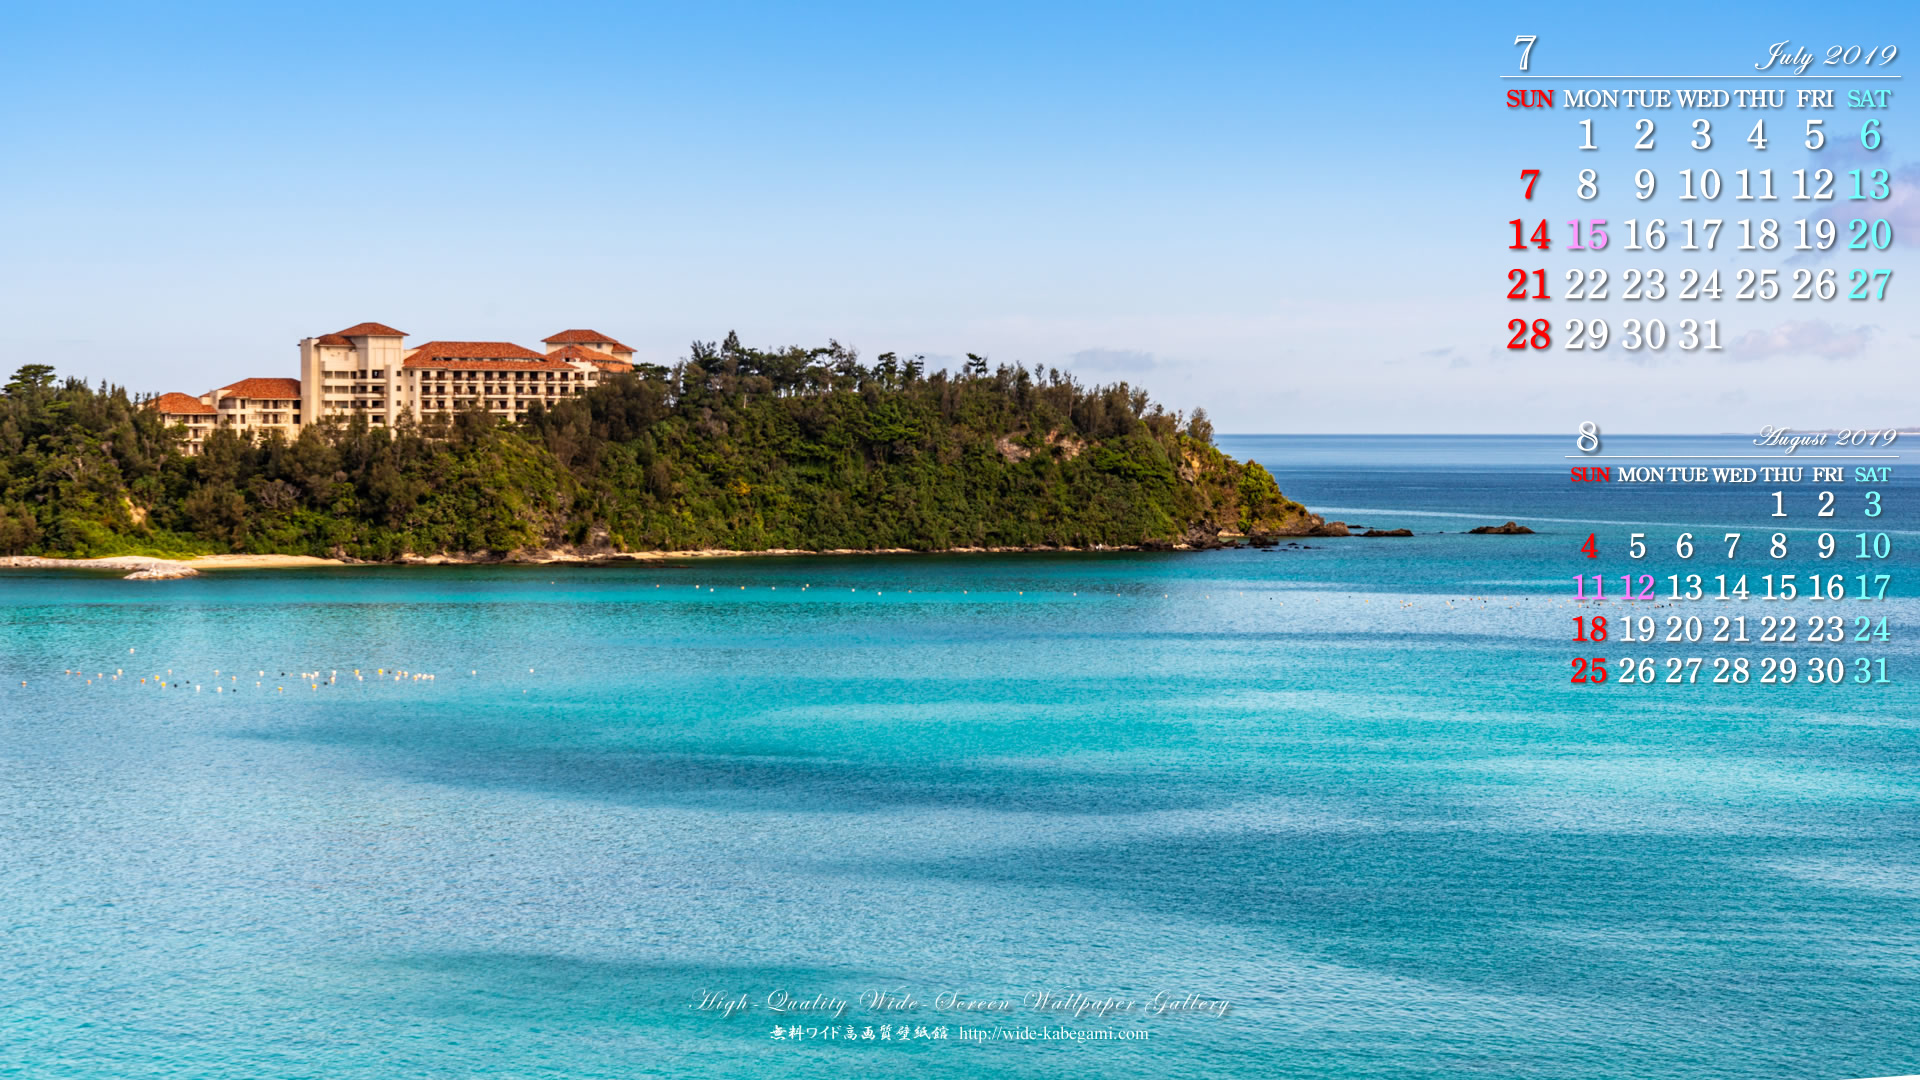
732, 448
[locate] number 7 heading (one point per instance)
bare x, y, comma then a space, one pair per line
1529, 39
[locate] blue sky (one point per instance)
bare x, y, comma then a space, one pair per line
1288, 214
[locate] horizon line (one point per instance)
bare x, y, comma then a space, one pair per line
1784, 77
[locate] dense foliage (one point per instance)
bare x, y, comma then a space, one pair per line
732, 448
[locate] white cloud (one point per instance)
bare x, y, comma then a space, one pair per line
1902, 208
1114, 360
1808, 337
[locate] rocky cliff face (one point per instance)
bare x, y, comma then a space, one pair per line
1233, 499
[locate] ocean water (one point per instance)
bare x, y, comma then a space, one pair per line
1345, 787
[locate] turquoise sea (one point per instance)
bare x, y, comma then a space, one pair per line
1344, 787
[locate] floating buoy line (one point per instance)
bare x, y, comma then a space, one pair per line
226, 682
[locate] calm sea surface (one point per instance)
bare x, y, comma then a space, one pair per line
1345, 787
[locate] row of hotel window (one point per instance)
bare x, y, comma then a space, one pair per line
284, 418
429, 402
361, 388
552, 376
461, 393
357, 388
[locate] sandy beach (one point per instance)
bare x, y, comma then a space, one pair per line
257, 562
150, 567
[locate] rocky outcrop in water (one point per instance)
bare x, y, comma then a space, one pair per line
144, 567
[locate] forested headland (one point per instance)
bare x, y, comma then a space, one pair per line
732, 448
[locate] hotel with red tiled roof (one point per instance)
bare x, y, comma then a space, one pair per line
271, 389
601, 360
352, 372
443, 377
592, 339
471, 350
189, 412
372, 329
367, 371
250, 406
181, 405
256, 406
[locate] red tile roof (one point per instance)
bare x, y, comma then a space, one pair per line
480, 356
332, 339
473, 350
372, 329
582, 337
603, 361
181, 405
266, 389
417, 363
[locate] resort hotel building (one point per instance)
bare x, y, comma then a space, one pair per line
366, 370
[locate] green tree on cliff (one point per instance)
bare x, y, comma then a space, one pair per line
733, 447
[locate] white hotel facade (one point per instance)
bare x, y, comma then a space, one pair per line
367, 370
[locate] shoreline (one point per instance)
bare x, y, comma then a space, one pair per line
158, 568
153, 567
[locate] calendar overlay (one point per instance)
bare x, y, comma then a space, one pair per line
1735, 189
